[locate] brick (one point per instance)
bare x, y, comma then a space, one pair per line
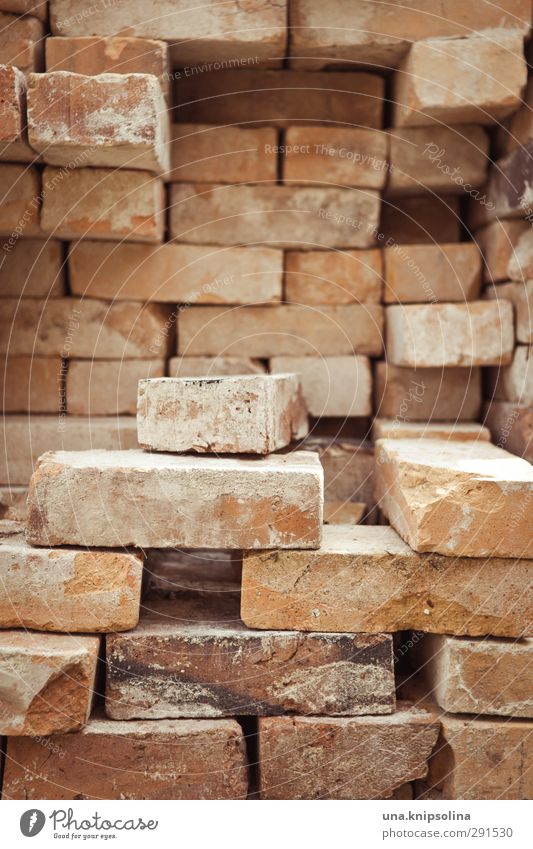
21, 42
497, 242
232, 34
199, 661
46, 682
432, 273
19, 212
13, 136
517, 130
455, 431
68, 589
107, 387
333, 277
248, 414
508, 188
290, 330
32, 268
323, 757
427, 394
282, 216
95, 203
472, 80
515, 381
196, 572
380, 35
30, 384
437, 159
38, 8
520, 295
208, 366
339, 156
176, 273
364, 578
13, 503
348, 467
280, 98
110, 121
24, 438
203, 153
420, 220
428, 335
332, 386
511, 426
344, 512
194, 502
136, 760
520, 265
472, 493
72, 327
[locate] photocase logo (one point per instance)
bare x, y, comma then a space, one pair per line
32, 822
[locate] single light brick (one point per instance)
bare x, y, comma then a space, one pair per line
19, 210
344, 758
508, 189
204, 153
72, 327
339, 156
46, 682
364, 578
107, 387
194, 502
13, 503
333, 277
344, 512
432, 273
348, 468
31, 384
68, 589
195, 659
21, 42
183, 573
472, 80
282, 216
331, 386
517, 130
172, 759
209, 366
479, 333
176, 273
86, 203
456, 431
427, 394
497, 242
472, 493
515, 381
249, 414
520, 265
279, 98
511, 426
14, 145
32, 268
38, 8
420, 220
110, 121
290, 330
25, 438
520, 295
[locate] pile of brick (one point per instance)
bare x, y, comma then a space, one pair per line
209, 227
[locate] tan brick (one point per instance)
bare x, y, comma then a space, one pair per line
520, 265
511, 426
364, 578
515, 381
520, 295
203, 153
136, 760
13, 503
14, 145
283, 216
472, 493
432, 273
19, 211
472, 80
279, 98
32, 268
474, 334
333, 277
332, 386
200, 366
397, 429
95, 203
194, 502
290, 330
348, 467
248, 414
107, 387
497, 243
176, 273
427, 394
508, 189
517, 130
38, 8
111, 120
21, 42
25, 438
420, 220
336, 155
344, 512
46, 682
30, 384
192, 572
68, 589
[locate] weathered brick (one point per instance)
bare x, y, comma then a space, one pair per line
107, 387
456, 431
508, 190
344, 512
515, 381
520, 265
339, 156
67, 590
427, 394
348, 467
520, 295
194, 502
420, 220
38, 8
364, 578
432, 273
173, 759
204, 153
30, 384
19, 211
13, 503
197, 660
21, 42
96, 203
472, 493
497, 243
511, 426
46, 682
32, 268
249, 414
14, 145
517, 130
333, 277
208, 366
427, 335
332, 386
180, 573
175, 273
283, 216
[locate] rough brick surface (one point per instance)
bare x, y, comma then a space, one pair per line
364, 578
206, 153
340, 156
253, 414
427, 394
107, 387
456, 498
515, 381
396, 429
420, 220
196, 659
172, 759
30, 384
344, 512
192, 573
521, 261
432, 273
209, 366
194, 502
331, 386
21, 42
46, 682
520, 296
13, 503
333, 277
37, 8
508, 188
32, 269
19, 212
511, 426
348, 468
13, 140
497, 242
